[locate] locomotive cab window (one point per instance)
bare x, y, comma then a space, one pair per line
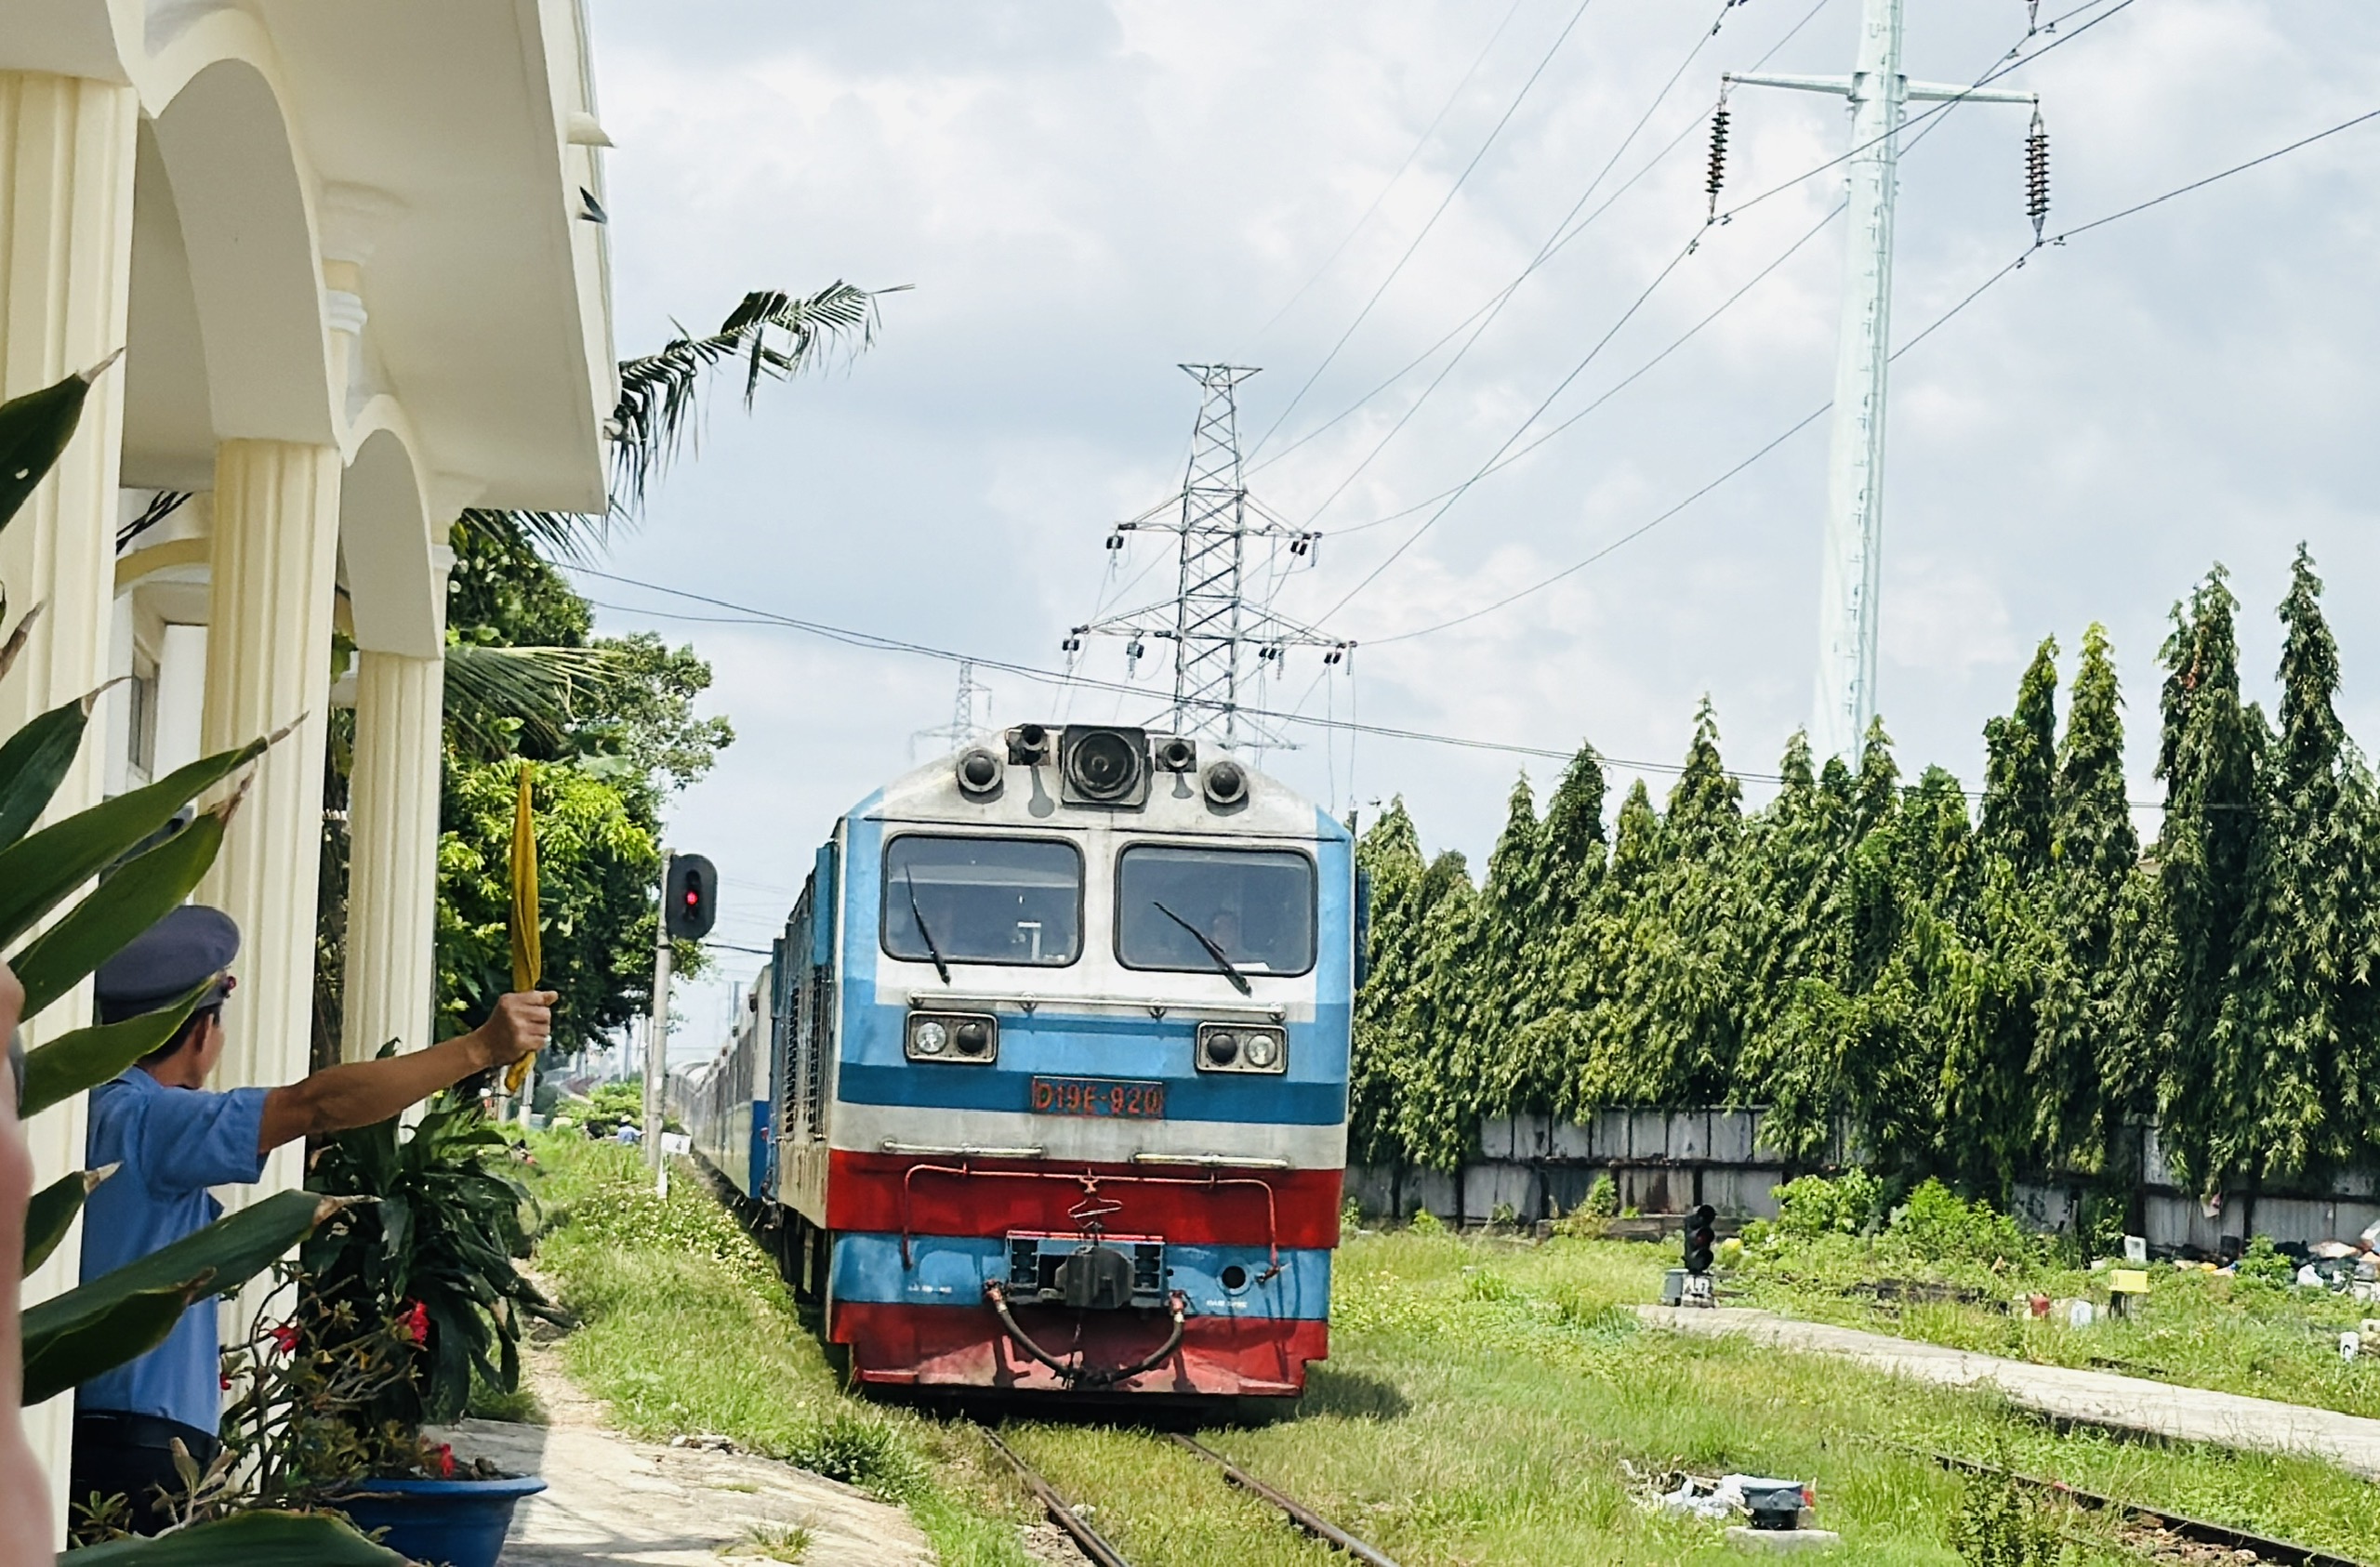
1177, 908
1004, 901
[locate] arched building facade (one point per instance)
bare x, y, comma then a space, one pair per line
354, 259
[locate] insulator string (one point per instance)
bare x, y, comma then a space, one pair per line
2037, 176
1718, 157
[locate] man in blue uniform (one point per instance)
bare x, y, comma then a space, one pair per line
171, 1138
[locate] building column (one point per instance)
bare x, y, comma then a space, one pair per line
66, 147
268, 666
393, 854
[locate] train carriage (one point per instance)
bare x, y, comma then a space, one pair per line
1050, 1068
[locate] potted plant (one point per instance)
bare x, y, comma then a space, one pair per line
414, 1292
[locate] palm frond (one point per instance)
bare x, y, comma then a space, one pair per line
774, 333
560, 535
489, 690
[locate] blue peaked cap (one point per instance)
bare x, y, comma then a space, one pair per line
169, 960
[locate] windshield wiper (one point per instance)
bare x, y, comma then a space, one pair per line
933, 949
1239, 981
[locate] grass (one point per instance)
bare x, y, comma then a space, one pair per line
1482, 1397
1486, 1400
685, 1326
2195, 1329
772, 1542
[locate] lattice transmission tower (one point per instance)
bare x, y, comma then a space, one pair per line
1212, 620
963, 725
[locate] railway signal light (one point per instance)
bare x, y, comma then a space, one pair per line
689, 897
1701, 1239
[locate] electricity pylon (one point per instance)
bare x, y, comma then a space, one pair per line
1855, 521
1211, 619
962, 727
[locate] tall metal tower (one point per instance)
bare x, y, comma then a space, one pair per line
1855, 524
1210, 620
962, 727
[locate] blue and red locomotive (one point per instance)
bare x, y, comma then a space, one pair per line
1044, 1089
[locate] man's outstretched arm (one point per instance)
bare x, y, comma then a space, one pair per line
359, 1093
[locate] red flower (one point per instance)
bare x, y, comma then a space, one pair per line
224, 1382
414, 1326
284, 1337
445, 1461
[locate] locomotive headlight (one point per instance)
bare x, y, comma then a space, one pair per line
959, 1038
1241, 1048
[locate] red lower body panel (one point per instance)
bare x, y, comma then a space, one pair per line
964, 1347
905, 1195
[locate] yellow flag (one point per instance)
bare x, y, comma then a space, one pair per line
528, 957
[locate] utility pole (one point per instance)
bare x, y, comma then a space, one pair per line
657, 1054
1849, 591
1209, 619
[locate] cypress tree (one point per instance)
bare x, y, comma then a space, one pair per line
1437, 1109
2210, 756
1556, 974
1390, 854
2020, 761
2282, 1063
1500, 994
2088, 1068
1686, 1002
1792, 867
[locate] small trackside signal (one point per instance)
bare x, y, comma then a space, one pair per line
689, 897
1701, 1240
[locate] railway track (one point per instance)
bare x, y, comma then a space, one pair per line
2177, 1526
1102, 1551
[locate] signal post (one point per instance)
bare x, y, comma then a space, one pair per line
689, 907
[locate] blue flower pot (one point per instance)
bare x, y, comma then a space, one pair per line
441, 1522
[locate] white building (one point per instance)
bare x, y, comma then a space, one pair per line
354, 256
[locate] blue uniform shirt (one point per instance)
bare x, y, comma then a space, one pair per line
171, 1144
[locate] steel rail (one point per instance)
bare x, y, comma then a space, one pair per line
2285, 1553
1061, 1513
1298, 1512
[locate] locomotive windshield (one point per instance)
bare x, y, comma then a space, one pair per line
1010, 900
1255, 905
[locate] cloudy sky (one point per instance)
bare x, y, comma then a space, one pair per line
1086, 193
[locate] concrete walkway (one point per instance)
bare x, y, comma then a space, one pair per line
2098, 1398
610, 1499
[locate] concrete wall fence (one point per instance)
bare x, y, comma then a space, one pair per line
1667, 1161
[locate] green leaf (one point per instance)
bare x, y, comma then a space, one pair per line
88, 1057
139, 894
130, 1326
52, 1211
214, 1261
33, 761
34, 429
252, 1539
40, 872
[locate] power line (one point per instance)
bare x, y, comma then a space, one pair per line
1679, 342
1495, 302
1427, 135
743, 614
1928, 331
1510, 109
1496, 307
1451, 496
